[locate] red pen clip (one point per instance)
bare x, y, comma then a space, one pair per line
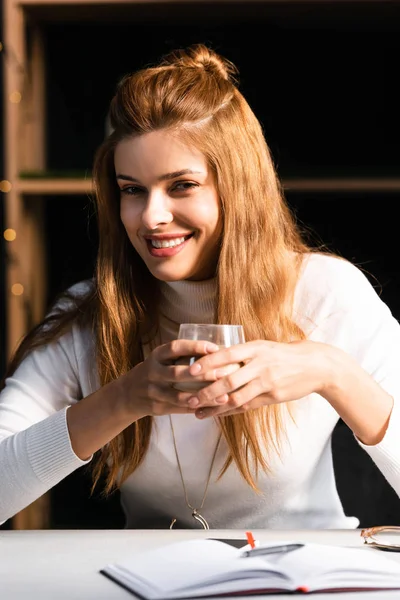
250, 539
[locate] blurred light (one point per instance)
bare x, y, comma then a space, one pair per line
5, 186
17, 289
10, 235
15, 97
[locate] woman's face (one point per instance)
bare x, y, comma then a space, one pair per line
169, 206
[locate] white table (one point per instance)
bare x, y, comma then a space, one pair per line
64, 565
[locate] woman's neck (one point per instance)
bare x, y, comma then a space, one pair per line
189, 301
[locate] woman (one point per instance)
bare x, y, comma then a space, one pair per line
193, 227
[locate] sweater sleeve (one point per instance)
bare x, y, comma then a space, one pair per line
35, 447
352, 316
381, 358
386, 454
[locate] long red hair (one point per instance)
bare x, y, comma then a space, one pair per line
194, 94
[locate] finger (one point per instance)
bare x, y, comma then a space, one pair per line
240, 353
248, 396
215, 412
169, 395
222, 411
174, 373
179, 373
177, 348
212, 394
178, 376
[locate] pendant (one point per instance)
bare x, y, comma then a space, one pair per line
196, 515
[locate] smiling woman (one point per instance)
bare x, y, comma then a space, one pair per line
169, 206
194, 228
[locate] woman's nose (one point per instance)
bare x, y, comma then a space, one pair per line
157, 211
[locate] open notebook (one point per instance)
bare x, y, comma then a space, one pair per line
202, 568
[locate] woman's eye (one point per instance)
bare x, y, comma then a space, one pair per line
179, 186
183, 186
132, 190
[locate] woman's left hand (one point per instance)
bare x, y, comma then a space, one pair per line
272, 373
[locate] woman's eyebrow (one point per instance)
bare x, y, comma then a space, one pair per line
163, 177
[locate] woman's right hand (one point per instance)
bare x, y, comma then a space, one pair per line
148, 388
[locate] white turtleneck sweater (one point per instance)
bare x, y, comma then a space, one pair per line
334, 303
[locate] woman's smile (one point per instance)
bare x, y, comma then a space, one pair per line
167, 245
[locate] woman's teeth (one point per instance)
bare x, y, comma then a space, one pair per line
167, 243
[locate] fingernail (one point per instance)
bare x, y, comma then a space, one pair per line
196, 368
193, 402
211, 347
222, 372
200, 414
222, 399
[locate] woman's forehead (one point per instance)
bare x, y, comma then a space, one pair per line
158, 149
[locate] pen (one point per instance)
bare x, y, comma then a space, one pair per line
272, 549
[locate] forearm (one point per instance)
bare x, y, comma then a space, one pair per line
98, 418
358, 399
34, 460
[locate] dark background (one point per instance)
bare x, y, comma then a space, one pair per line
323, 82
2, 255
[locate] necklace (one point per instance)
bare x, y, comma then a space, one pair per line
195, 511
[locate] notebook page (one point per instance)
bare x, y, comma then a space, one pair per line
254, 581
157, 569
181, 568
319, 566
236, 575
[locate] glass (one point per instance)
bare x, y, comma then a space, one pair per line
221, 335
384, 537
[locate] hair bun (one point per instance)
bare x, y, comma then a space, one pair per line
200, 57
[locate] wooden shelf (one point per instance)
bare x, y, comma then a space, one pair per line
342, 184
38, 186
68, 186
133, 10
28, 3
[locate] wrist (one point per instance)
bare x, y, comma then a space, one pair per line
99, 418
126, 400
337, 372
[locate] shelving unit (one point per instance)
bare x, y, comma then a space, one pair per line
25, 129
84, 186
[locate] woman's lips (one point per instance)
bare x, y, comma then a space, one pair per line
166, 252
